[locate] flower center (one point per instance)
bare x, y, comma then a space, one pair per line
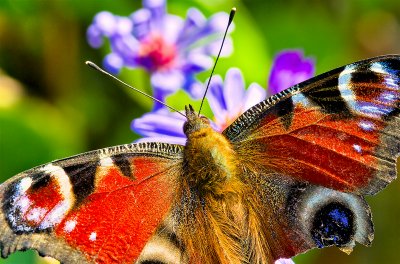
156, 54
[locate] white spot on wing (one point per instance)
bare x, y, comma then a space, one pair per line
36, 214
92, 236
300, 99
366, 125
378, 67
357, 148
23, 203
55, 215
374, 110
106, 162
69, 226
24, 185
344, 84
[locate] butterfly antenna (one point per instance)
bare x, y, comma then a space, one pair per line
94, 66
231, 15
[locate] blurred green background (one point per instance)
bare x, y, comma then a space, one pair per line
52, 105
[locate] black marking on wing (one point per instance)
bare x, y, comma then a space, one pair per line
393, 114
8, 201
365, 76
82, 177
42, 179
124, 164
329, 98
285, 112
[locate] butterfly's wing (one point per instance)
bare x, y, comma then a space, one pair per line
298, 216
338, 134
340, 130
98, 207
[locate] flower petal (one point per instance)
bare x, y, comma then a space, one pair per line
141, 23
169, 81
165, 83
158, 11
216, 98
233, 89
126, 47
284, 261
159, 123
219, 21
124, 26
149, 39
113, 63
289, 68
94, 36
164, 139
195, 88
106, 23
193, 22
197, 62
154, 3
213, 48
172, 26
254, 94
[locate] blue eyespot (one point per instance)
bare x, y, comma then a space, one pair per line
333, 225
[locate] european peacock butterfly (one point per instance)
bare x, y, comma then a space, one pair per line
287, 176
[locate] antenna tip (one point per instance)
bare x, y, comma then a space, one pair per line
89, 63
92, 64
231, 15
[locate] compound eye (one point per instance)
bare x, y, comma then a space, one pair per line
185, 127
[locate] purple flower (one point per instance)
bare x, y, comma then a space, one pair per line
160, 125
284, 261
290, 67
228, 99
170, 48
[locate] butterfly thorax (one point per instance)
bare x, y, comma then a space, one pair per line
209, 159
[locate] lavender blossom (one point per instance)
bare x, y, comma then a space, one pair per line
171, 49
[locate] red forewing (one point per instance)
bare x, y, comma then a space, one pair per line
339, 130
101, 206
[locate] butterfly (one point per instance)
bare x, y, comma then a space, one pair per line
289, 175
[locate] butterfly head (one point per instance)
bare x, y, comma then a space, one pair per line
194, 121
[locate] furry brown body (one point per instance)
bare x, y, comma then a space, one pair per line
217, 209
